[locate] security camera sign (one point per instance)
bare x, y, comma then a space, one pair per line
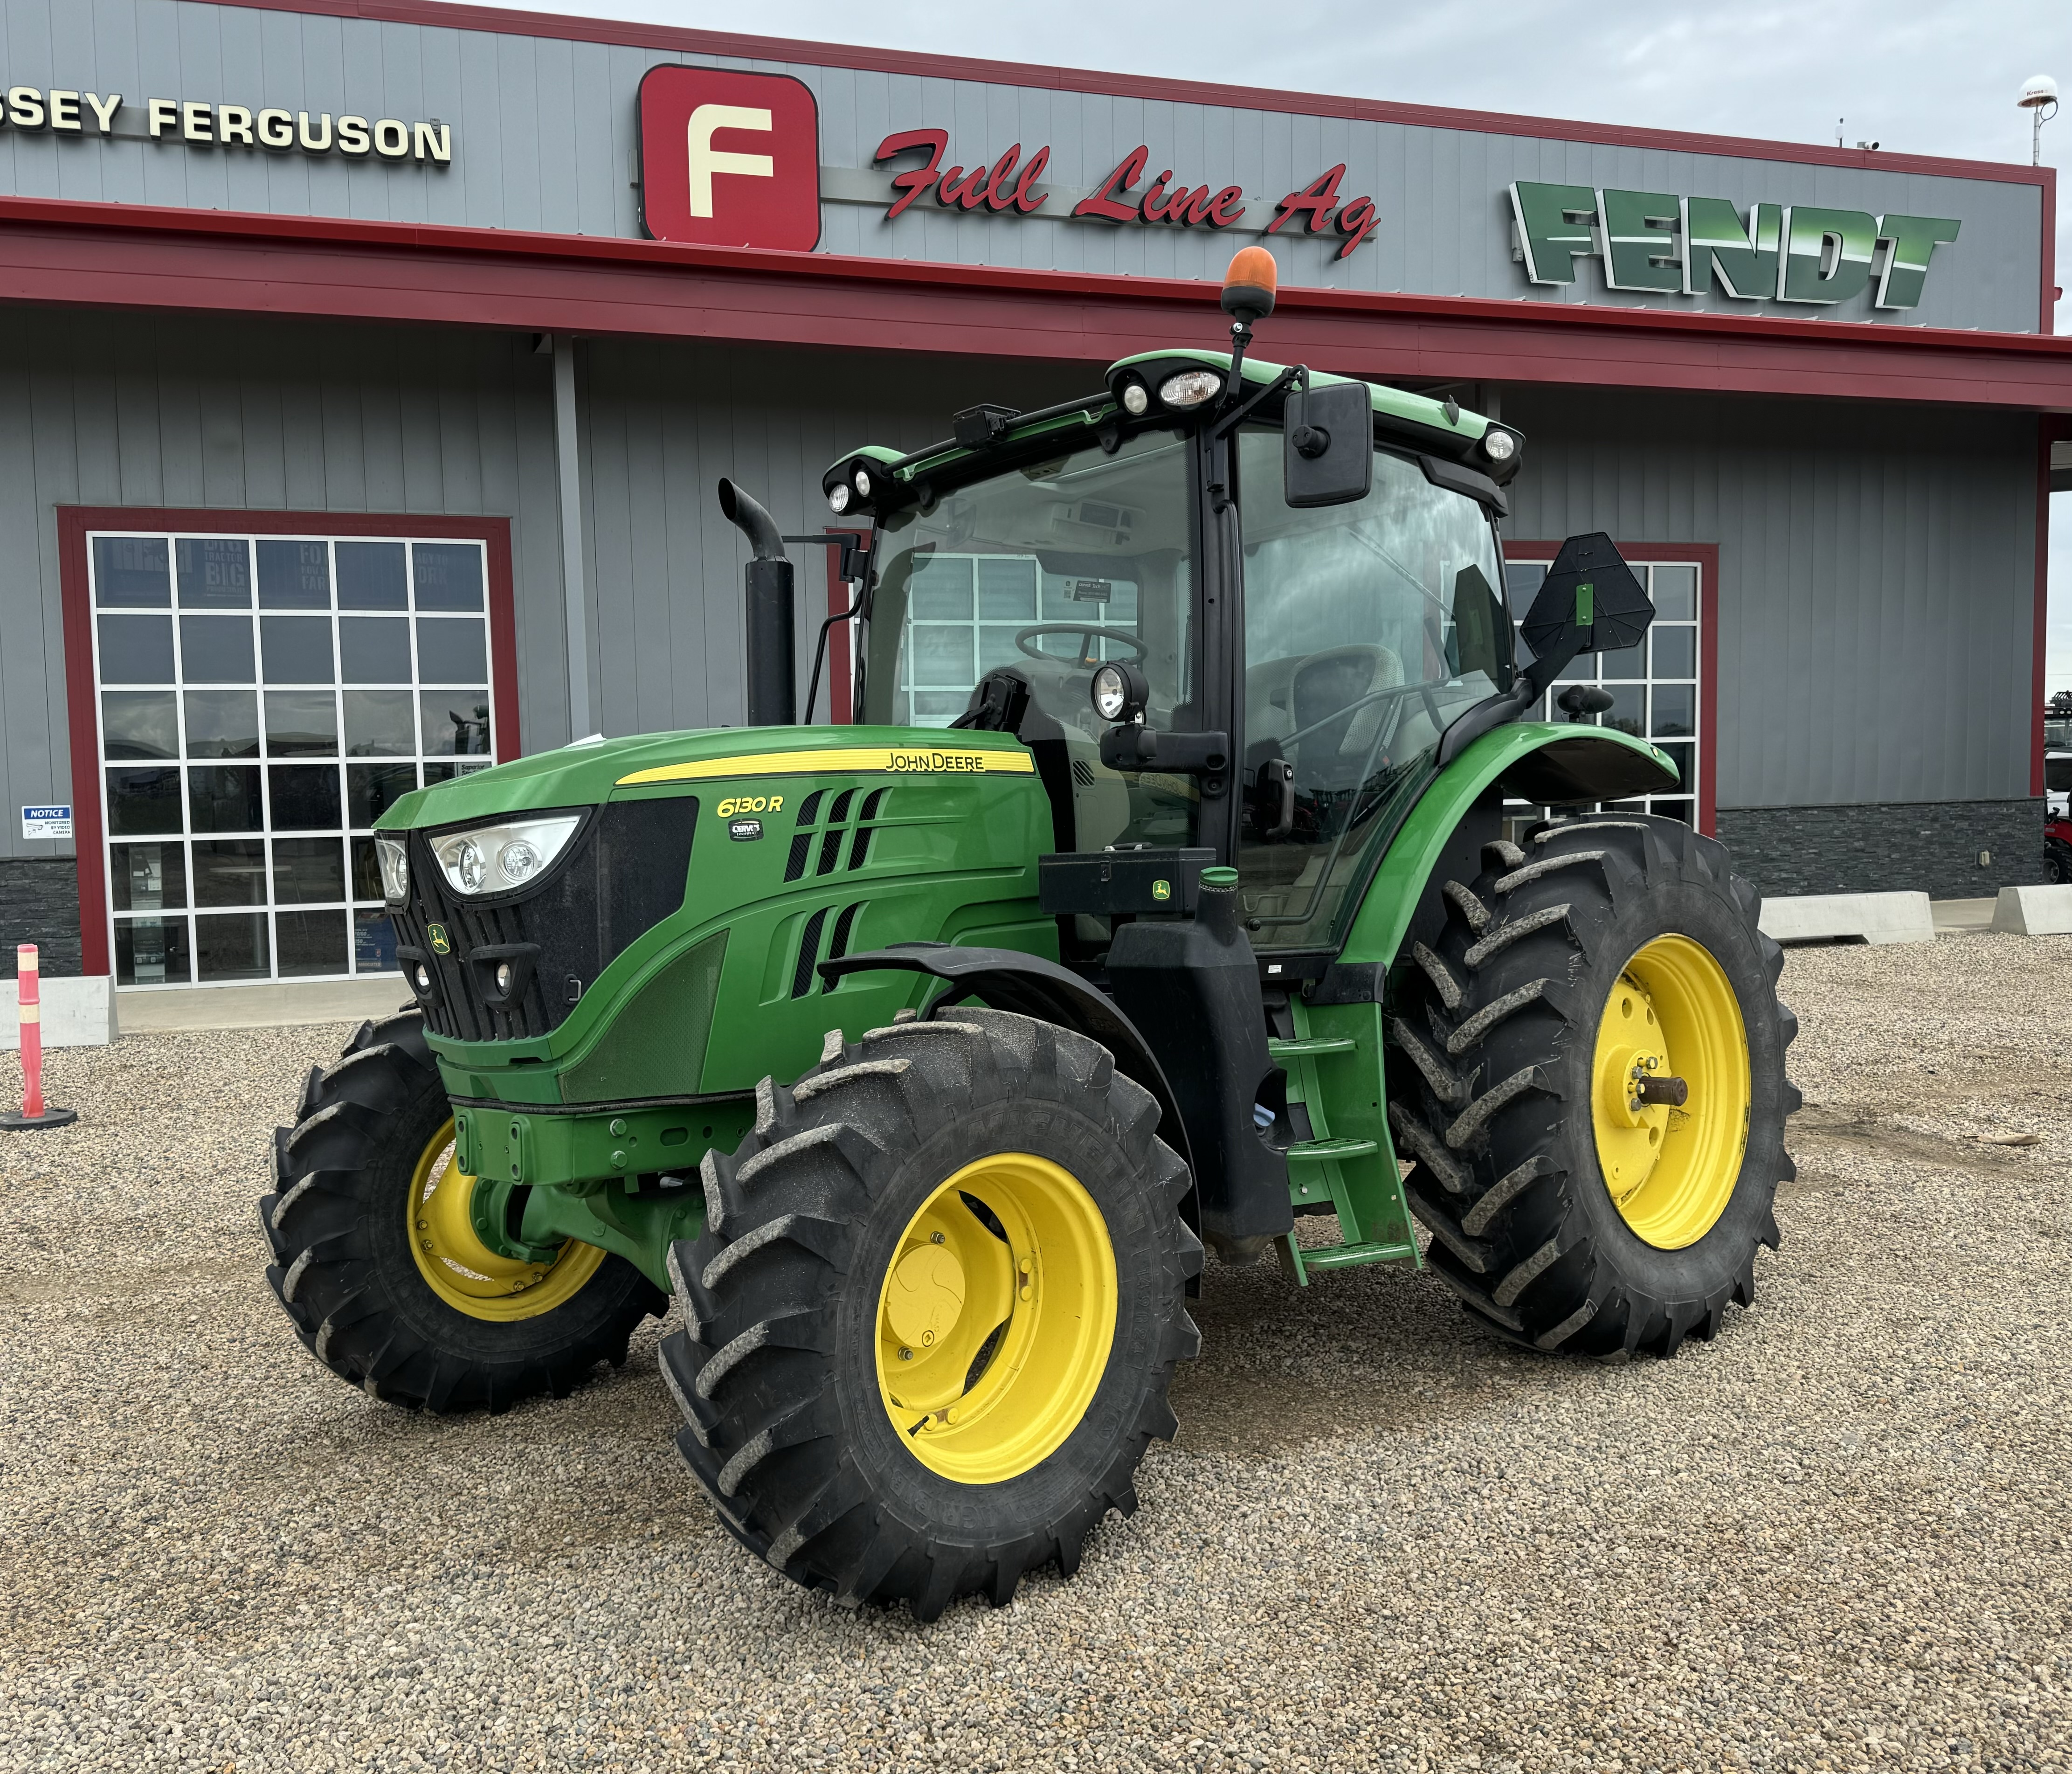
47, 822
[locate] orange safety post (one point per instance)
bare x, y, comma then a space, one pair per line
29, 999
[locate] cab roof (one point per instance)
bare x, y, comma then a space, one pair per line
1443, 427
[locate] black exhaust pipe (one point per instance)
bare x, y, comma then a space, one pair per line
772, 632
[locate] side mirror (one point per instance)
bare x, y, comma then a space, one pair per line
1327, 445
1589, 603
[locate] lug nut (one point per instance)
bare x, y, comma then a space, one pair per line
906, 1355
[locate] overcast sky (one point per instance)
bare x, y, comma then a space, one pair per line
1918, 76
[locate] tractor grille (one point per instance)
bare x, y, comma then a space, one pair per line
624, 872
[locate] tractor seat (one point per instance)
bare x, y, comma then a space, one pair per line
1283, 697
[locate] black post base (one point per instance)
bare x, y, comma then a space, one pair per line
14, 1121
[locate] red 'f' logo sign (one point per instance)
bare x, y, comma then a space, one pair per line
729, 159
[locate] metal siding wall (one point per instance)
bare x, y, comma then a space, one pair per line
662, 423
248, 414
544, 134
1877, 566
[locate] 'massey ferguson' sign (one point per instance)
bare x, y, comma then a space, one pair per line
60, 111
1654, 240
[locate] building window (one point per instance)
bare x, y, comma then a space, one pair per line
1655, 688
261, 700
964, 611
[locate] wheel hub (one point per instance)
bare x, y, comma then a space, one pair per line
1670, 1092
463, 1271
995, 1318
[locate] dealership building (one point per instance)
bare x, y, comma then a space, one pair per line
369, 366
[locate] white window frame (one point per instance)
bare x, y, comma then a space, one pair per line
345, 832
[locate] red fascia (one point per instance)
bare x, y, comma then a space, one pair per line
1706, 555
74, 599
106, 255
498, 22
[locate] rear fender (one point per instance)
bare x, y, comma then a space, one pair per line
1461, 810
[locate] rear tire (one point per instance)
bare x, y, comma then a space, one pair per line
2057, 861
784, 1371
338, 1224
1494, 1083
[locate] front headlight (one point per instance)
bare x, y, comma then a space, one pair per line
395, 859
497, 858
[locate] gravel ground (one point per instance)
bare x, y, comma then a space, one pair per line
1835, 1538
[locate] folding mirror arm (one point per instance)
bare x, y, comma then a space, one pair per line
853, 569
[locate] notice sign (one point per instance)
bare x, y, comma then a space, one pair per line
47, 822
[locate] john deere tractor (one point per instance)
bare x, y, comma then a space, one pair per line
1161, 892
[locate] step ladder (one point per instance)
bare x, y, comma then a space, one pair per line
1355, 1170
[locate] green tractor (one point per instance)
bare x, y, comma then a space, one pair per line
1162, 892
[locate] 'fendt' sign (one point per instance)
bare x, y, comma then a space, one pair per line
1656, 240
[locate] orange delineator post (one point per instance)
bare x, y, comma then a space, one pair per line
29, 999
28, 980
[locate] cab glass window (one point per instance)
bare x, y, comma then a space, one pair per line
1047, 571
1369, 627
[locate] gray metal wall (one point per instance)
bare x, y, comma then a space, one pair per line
252, 414
546, 135
661, 424
1878, 569
239, 414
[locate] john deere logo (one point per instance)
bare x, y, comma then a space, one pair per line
1162, 890
440, 945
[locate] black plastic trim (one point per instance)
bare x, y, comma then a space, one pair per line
1029, 985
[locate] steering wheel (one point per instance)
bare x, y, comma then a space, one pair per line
1087, 633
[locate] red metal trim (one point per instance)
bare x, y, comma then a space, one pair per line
75, 521
2047, 314
2049, 431
501, 22
117, 256
1706, 555
84, 734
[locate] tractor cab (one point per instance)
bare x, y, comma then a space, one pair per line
1285, 665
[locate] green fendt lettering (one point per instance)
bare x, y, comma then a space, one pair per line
1206, 866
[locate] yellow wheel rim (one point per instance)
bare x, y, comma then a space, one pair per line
462, 1270
1672, 1015
995, 1318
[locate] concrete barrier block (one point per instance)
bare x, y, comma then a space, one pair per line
78, 1013
2034, 911
1873, 917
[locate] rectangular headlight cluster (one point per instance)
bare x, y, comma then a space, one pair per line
498, 858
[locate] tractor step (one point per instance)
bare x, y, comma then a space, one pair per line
1352, 1256
1310, 1048
1318, 1150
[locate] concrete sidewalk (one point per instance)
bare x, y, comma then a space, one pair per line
282, 1005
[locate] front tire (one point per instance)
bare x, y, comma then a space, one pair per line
1566, 1209
374, 1261
935, 1312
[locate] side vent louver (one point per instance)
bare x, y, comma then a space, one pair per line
802, 976
809, 952
830, 857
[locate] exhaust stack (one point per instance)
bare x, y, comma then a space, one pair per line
772, 634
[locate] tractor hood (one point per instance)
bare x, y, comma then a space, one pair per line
592, 771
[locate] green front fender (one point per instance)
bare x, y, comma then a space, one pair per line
1549, 756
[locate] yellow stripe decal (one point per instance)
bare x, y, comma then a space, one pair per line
897, 760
